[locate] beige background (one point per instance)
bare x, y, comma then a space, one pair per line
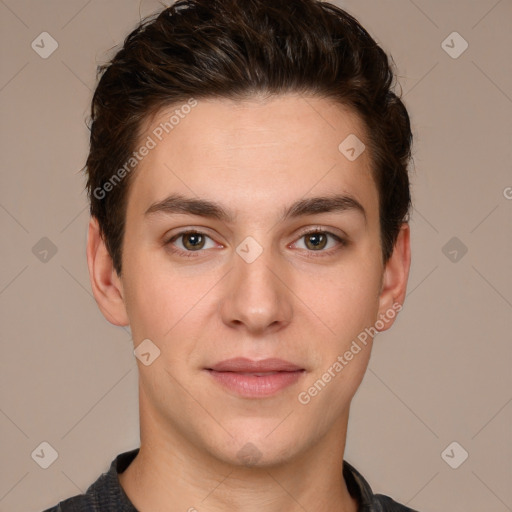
442, 374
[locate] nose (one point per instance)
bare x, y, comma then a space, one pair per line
257, 297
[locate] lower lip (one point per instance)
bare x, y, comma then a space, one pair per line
254, 386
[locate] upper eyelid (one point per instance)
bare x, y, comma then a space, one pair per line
189, 232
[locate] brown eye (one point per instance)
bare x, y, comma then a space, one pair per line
187, 243
315, 241
193, 241
319, 242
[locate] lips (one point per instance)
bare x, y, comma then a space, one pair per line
244, 365
255, 379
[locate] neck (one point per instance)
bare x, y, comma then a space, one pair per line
171, 473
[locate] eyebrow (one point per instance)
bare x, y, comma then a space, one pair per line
177, 203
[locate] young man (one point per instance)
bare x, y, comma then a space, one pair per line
249, 201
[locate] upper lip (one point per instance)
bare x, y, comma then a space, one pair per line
242, 364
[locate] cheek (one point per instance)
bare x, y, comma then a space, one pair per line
346, 298
151, 303
348, 305
164, 303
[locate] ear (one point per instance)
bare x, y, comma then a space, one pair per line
395, 277
106, 285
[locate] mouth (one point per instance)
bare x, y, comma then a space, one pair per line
255, 379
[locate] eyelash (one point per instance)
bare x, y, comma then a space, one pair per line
310, 254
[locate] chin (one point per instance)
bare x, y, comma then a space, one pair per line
262, 448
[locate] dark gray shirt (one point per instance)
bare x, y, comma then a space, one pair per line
106, 494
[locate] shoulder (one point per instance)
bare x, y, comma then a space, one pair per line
98, 498
79, 503
386, 504
104, 494
368, 501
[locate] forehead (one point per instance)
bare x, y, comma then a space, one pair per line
253, 155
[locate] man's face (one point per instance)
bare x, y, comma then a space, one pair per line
254, 286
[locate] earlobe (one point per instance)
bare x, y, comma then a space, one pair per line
106, 285
396, 275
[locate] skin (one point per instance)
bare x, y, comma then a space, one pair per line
254, 157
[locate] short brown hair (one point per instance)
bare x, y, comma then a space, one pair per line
236, 49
